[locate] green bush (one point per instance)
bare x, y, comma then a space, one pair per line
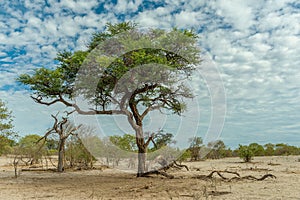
245, 152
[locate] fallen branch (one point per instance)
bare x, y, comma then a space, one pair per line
219, 173
237, 177
259, 179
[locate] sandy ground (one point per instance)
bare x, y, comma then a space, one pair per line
116, 184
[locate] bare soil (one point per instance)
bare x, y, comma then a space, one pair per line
117, 184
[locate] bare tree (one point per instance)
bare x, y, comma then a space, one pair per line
64, 129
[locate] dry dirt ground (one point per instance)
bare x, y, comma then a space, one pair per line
117, 184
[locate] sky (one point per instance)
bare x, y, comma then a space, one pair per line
253, 47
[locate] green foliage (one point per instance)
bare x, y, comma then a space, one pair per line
51, 144
245, 152
227, 153
126, 142
161, 140
29, 140
6, 145
112, 30
52, 83
46, 82
257, 149
269, 149
284, 149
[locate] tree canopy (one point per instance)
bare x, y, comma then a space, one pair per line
165, 48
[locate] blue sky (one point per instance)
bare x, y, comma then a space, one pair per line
254, 44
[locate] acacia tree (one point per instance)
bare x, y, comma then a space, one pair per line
125, 71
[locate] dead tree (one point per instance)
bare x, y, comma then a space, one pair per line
64, 129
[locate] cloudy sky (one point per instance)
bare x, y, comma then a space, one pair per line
254, 46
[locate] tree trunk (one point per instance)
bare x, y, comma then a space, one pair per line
61, 155
142, 152
141, 161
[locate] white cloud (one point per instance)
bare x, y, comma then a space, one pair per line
125, 6
187, 19
3, 54
237, 13
258, 56
156, 18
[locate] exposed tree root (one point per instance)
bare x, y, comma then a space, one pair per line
237, 177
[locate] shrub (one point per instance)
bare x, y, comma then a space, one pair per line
246, 153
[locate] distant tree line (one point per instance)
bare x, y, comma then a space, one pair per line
77, 143
30, 149
217, 149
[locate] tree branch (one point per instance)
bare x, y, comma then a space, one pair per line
149, 140
71, 132
39, 100
150, 108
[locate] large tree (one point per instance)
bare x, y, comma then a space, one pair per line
125, 71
